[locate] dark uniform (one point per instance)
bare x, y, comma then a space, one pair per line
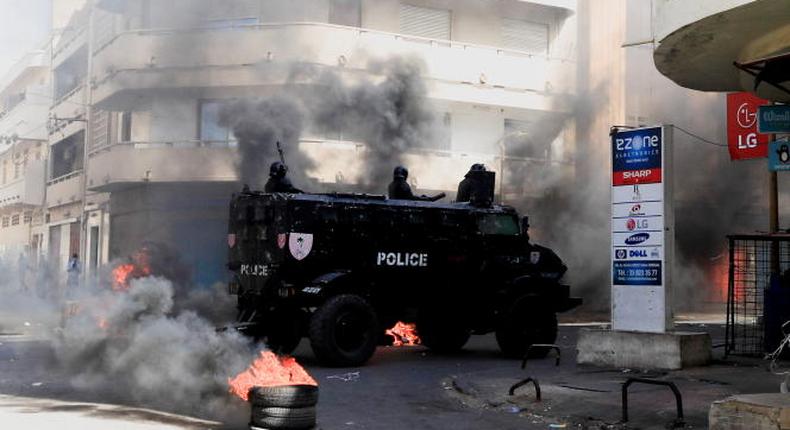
400, 189
467, 185
278, 182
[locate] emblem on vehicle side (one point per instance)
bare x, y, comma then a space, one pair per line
281, 240
231, 240
300, 245
534, 257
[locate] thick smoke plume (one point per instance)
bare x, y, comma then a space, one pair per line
257, 126
386, 110
154, 344
391, 115
135, 342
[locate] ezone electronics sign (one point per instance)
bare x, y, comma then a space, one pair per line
636, 157
641, 228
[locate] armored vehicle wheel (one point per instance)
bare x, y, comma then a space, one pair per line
344, 331
523, 325
441, 332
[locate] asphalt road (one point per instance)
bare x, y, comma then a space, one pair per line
412, 388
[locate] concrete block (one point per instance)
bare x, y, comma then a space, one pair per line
751, 412
636, 350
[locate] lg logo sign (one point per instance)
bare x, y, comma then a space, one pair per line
742, 137
746, 117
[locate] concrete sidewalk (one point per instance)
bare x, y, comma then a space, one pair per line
587, 397
33, 413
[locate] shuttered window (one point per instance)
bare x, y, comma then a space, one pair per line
425, 22
531, 37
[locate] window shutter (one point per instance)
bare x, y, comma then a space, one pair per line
425, 22
530, 37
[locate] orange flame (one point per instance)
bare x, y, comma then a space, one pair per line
124, 273
120, 277
269, 370
404, 334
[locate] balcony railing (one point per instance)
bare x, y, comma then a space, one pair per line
64, 178
146, 52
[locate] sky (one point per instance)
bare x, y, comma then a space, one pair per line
24, 26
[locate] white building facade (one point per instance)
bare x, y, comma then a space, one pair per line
138, 155
24, 105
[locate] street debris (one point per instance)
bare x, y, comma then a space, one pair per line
37, 384
346, 377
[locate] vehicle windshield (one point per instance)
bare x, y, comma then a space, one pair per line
498, 224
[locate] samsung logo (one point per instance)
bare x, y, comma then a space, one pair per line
636, 239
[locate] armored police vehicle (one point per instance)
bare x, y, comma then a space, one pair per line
341, 268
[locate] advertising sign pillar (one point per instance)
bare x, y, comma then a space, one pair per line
642, 230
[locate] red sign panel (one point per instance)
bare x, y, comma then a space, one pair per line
742, 137
635, 177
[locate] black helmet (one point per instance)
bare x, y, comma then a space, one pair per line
278, 170
477, 167
400, 172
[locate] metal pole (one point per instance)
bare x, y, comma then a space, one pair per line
773, 216
88, 136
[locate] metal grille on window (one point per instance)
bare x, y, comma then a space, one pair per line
101, 124
425, 22
758, 299
530, 37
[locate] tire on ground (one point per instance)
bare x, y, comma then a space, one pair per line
289, 396
344, 331
524, 324
440, 330
292, 418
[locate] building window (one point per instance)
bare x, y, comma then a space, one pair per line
67, 155
210, 128
5, 221
345, 12
125, 127
15, 219
527, 36
425, 22
71, 73
28, 217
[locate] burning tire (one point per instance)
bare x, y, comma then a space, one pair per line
523, 325
283, 418
344, 331
289, 396
440, 331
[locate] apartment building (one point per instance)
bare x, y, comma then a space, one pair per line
24, 105
141, 83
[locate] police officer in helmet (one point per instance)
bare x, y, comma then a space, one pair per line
400, 189
467, 185
278, 181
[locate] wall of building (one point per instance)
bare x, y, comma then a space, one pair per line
190, 219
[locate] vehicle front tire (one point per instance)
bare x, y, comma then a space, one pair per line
524, 325
344, 331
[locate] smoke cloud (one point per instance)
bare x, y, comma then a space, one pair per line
175, 361
257, 126
391, 115
387, 111
155, 344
